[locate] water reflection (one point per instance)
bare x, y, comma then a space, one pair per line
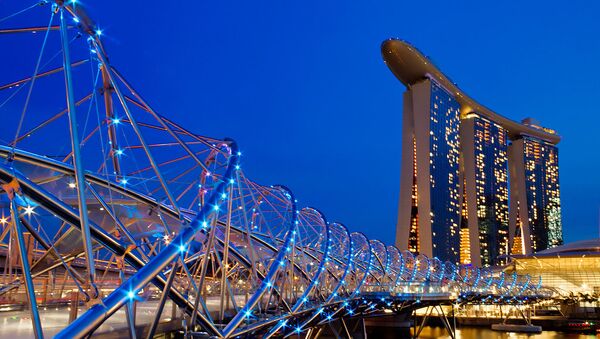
482, 332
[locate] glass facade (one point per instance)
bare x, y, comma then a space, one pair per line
543, 193
444, 156
485, 184
491, 188
571, 269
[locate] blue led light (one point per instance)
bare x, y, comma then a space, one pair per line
130, 295
182, 248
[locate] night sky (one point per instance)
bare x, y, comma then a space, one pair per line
303, 89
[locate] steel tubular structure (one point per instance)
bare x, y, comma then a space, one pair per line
114, 210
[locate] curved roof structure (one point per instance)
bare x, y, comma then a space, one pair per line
409, 65
575, 248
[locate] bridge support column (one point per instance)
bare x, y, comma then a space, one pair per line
74, 305
29, 287
441, 314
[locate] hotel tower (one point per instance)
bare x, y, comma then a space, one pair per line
474, 185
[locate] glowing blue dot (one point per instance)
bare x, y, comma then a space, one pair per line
115, 121
216, 207
248, 314
98, 32
124, 181
269, 284
231, 181
76, 19
119, 152
237, 167
223, 195
204, 224
130, 295
239, 153
298, 329
181, 248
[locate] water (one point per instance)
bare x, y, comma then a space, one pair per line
483, 332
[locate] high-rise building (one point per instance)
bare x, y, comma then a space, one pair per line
485, 173
431, 184
536, 195
472, 181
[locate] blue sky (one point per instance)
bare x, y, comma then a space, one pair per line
303, 89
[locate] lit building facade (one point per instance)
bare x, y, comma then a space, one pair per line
432, 187
572, 268
536, 195
485, 176
474, 185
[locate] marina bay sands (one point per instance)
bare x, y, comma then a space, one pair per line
119, 221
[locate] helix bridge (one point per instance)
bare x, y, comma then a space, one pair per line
116, 217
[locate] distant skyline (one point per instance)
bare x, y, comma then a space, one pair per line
303, 89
